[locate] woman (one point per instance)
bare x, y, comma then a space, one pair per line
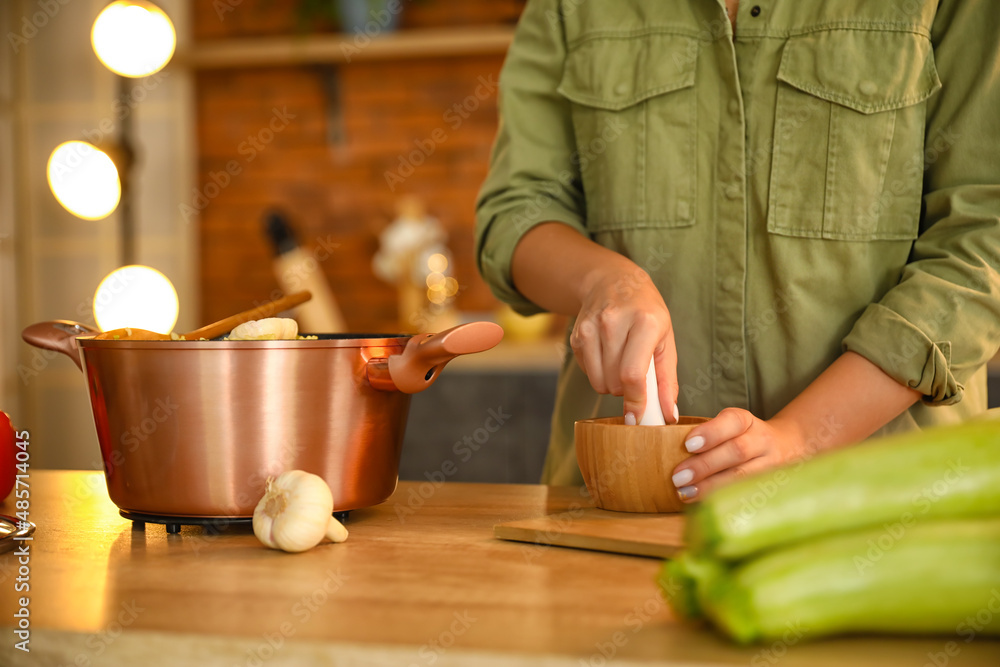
794, 210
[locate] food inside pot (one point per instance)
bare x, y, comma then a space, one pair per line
270, 328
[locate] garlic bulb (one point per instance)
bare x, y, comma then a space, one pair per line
271, 328
295, 513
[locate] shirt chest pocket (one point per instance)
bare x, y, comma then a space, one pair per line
633, 112
849, 135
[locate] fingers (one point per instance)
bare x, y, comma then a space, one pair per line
665, 361
728, 455
621, 324
598, 346
725, 449
695, 491
614, 350
727, 425
642, 342
615, 331
586, 344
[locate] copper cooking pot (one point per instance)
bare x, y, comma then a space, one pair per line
194, 428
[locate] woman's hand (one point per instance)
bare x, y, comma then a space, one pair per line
848, 402
622, 323
621, 319
733, 445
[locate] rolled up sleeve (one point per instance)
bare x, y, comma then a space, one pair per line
941, 322
534, 174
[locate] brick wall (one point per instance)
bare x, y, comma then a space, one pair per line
275, 137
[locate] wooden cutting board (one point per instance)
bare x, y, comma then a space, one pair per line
652, 535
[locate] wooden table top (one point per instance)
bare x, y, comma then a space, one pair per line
420, 581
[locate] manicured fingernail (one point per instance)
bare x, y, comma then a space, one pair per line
694, 444
630, 419
687, 492
677, 414
683, 477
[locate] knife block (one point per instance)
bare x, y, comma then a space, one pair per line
628, 468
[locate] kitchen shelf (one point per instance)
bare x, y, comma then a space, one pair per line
347, 48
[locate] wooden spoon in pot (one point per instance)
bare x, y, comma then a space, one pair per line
269, 309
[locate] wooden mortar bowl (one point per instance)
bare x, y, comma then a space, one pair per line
628, 468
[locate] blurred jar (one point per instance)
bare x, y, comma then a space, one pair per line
413, 255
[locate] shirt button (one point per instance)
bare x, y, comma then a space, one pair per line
755, 11
734, 107
731, 372
868, 87
621, 88
732, 191
730, 283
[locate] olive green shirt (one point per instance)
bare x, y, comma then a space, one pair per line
826, 181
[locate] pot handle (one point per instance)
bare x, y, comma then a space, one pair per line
58, 336
425, 355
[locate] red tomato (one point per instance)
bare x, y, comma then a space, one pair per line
7, 460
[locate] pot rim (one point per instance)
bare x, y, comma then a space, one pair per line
325, 341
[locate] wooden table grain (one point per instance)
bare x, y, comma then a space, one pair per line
421, 581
